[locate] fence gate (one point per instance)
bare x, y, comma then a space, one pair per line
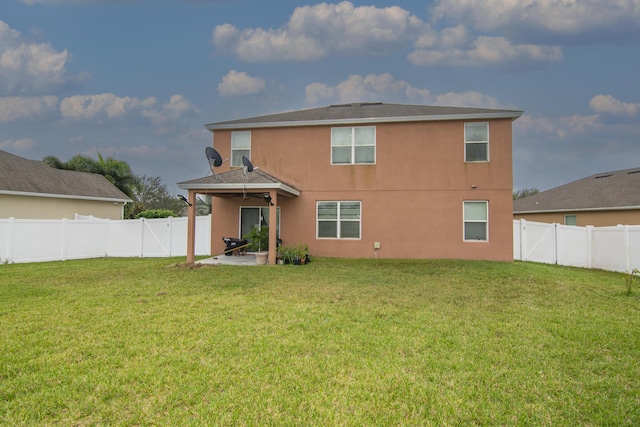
538, 242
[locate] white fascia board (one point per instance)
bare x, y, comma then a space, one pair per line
446, 117
63, 196
241, 187
618, 208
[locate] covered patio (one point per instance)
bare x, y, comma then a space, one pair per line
237, 183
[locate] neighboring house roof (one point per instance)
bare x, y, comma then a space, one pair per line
234, 180
363, 113
25, 177
603, 191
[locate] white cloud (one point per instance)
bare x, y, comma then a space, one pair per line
316, 31
82, 107
607, 104
30, 67
559, 18
592, 136
557, 127
372, 87
177, 107
23, 144
468, 99
237, 83
22, 107
451, 49
385, 87
107, 106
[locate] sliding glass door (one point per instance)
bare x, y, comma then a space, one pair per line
251, 217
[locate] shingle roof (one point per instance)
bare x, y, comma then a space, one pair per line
235, 180
19, 175
606, 190
365, 112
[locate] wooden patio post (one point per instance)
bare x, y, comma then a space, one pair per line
273, 227
191, 228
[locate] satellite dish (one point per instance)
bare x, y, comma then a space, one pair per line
247, 164
248, 167
214, 158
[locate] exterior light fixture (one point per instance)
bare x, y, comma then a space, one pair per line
184, 199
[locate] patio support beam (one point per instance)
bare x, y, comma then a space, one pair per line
191, 228
273, 227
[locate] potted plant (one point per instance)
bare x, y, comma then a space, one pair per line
287, 254
294, 254
302, 254
259, 241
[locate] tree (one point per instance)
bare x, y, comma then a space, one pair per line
150, 193
203, 206
147, 193
525, 192
118, 172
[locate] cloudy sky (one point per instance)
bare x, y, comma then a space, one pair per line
138, 79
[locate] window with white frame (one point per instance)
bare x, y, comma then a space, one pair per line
570, 220
476, 220
476, 142
338, 220
353, 145
240, 146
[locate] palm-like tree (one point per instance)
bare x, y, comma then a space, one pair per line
118, 172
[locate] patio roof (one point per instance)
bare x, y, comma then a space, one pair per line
235, 181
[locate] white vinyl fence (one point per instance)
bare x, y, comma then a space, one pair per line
607, 248
27, 240
24, 240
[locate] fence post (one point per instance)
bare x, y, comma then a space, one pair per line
589, 246
555, 243
170, 225
63, 240
626, 249
523, 239
141, 237
107, 243
10, 239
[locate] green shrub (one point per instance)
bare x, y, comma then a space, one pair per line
155, 213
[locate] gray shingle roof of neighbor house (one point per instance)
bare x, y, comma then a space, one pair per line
235, 180
33, 177
603, 191
374, 112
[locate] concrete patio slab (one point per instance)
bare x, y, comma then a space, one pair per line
248, 259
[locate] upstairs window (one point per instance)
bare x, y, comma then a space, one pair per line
338, 220
353, 145
240, 146
476, 142
476, 221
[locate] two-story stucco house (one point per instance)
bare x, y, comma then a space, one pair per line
366, 180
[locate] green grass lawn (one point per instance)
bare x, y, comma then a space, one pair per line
335, 342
